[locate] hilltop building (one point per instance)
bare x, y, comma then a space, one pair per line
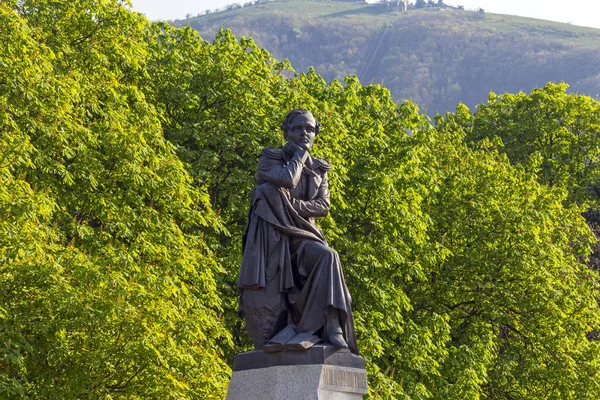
402, 5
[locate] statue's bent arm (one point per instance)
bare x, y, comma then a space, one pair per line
319, 206
271, 170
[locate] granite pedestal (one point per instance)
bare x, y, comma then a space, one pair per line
318, 373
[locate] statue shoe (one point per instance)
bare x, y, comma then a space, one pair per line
302, 341
277, 343
337, 340
334, 330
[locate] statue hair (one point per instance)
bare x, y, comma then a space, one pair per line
285, 125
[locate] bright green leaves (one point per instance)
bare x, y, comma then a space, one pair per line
108, 285
559, 128
513, 278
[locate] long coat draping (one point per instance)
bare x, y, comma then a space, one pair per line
282, 240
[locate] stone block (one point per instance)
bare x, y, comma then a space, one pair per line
299, 382
319, 373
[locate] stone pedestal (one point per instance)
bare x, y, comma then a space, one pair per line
318, 373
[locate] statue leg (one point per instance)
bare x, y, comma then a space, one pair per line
324, 300
333, 329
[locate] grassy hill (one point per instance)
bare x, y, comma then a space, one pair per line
434, 57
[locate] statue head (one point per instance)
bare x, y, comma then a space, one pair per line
300, 127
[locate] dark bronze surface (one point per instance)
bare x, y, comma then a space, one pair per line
318, 354
290, 279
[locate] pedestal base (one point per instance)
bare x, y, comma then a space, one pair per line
318, 373
298, 382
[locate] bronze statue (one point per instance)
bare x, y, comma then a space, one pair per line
292, 289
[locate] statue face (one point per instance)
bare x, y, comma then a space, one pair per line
302, 131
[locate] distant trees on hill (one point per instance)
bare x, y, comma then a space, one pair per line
234, 6
435, 59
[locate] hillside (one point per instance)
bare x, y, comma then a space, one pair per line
435, 57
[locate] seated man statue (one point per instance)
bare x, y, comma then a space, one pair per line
292, 289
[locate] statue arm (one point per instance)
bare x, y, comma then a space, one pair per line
271, 170
319, 206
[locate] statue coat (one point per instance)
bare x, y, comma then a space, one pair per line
283, 249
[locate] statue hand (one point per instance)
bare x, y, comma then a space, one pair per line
292, 148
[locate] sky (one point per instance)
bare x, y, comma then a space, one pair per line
576, 12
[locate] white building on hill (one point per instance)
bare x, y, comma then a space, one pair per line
400, 4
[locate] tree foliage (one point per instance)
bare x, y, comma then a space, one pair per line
127, 156
108, 286
552, 132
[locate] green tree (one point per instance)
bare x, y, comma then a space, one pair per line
504, 284
552, 132
108, 285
